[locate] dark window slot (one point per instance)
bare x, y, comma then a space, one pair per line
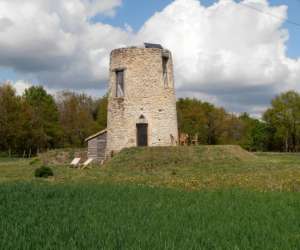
119, 83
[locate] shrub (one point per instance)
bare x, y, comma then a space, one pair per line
43, 172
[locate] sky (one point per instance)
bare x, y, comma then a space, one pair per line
235, 54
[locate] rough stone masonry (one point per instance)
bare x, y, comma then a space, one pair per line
141, 99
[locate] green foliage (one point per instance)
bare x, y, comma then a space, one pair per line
43, 172
212, 125
76, 118
102, 112
44, 127
191, 118
28, 123
82, 216
255, 133
10, 115
284, 118
259, 136
36, 122
279, 130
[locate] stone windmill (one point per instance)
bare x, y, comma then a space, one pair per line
141, 101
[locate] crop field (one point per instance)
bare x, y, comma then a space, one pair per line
43, 216
180, 198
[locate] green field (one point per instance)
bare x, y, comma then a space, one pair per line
163, 198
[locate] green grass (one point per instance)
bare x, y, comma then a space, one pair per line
211, 167
43, 216
155, 198
190, 168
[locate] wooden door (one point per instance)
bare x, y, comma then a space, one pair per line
142, 135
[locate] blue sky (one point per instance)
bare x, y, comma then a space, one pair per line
293, 44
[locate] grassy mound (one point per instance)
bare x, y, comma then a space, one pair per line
188, 168
62, 156
158, 157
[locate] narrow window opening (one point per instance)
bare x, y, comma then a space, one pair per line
120, 83
165, 70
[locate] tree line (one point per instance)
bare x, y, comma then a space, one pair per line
277, 130
37, 121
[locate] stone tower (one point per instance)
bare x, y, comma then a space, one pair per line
141, 99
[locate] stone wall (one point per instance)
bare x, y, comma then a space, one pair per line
145, 94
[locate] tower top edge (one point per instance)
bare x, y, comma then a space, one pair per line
146, 46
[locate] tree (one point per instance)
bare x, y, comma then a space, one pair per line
9, 118
213, 125
191, 118
101, 112
76, 118
44, 124
256, 134
284, 118
231, 129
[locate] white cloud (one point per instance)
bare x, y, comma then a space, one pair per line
227, 53
99, 6
56, 41
20, 86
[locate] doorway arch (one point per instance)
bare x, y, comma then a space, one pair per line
142, 132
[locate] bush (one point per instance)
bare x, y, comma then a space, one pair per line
43, 172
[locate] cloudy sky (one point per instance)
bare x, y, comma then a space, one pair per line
234, 54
